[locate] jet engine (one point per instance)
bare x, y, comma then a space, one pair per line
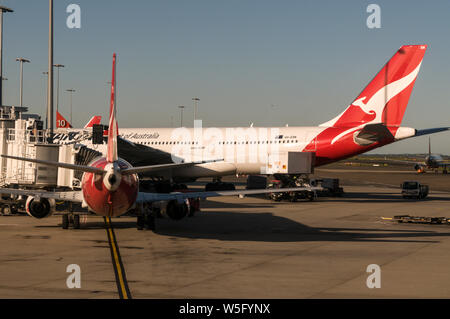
419, 168
176, 210
40, 208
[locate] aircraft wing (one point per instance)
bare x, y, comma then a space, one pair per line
70, 196
180, 197
77, 196
162, 167
139, 155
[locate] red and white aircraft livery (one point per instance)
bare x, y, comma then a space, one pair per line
372, 120
110, 185
61, 122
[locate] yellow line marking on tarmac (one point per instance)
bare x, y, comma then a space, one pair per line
118, 268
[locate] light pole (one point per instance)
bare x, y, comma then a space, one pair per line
58, 66
181, 107
2, 9
4, 79
196, 100
50, 123
71, 93
21, 61
45, 95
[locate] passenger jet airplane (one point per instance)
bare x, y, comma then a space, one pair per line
110, 185
431, 162
372, 120
61, 122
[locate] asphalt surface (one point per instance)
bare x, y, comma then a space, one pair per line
245, 248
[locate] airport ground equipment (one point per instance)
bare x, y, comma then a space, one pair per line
218, 185
414, 189
289, 169
10, 205
330, 186
287, 181
256, 182
419, 219
290, 163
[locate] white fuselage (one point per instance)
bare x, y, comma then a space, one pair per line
241, 150
244, 150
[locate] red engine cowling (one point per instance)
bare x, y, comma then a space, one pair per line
40, 208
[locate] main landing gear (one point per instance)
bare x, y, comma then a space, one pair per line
218, 185
146, 218
71, 219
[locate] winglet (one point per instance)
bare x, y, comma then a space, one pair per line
111, 156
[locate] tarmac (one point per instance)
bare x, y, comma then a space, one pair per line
246, 248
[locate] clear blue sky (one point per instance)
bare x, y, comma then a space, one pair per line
308, 59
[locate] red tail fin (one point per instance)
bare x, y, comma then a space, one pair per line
385, 98
61, 122
96, 119
111, 156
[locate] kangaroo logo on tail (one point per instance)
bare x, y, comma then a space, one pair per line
385, 98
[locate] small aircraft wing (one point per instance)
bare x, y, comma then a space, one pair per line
180, 197
70, 196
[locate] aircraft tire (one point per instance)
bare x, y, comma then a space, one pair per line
140, 222
150, 222
65, 221
76, 221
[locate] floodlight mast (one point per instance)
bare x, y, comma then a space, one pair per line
2, 9
50, 124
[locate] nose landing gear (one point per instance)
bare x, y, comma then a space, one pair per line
71, 219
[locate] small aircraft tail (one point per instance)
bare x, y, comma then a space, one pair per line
111, 155
61, 122
385, 98
96, 119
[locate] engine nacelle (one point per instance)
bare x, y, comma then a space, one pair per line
176, 210
40, 208
419, 168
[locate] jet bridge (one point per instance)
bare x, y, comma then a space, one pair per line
22, 135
